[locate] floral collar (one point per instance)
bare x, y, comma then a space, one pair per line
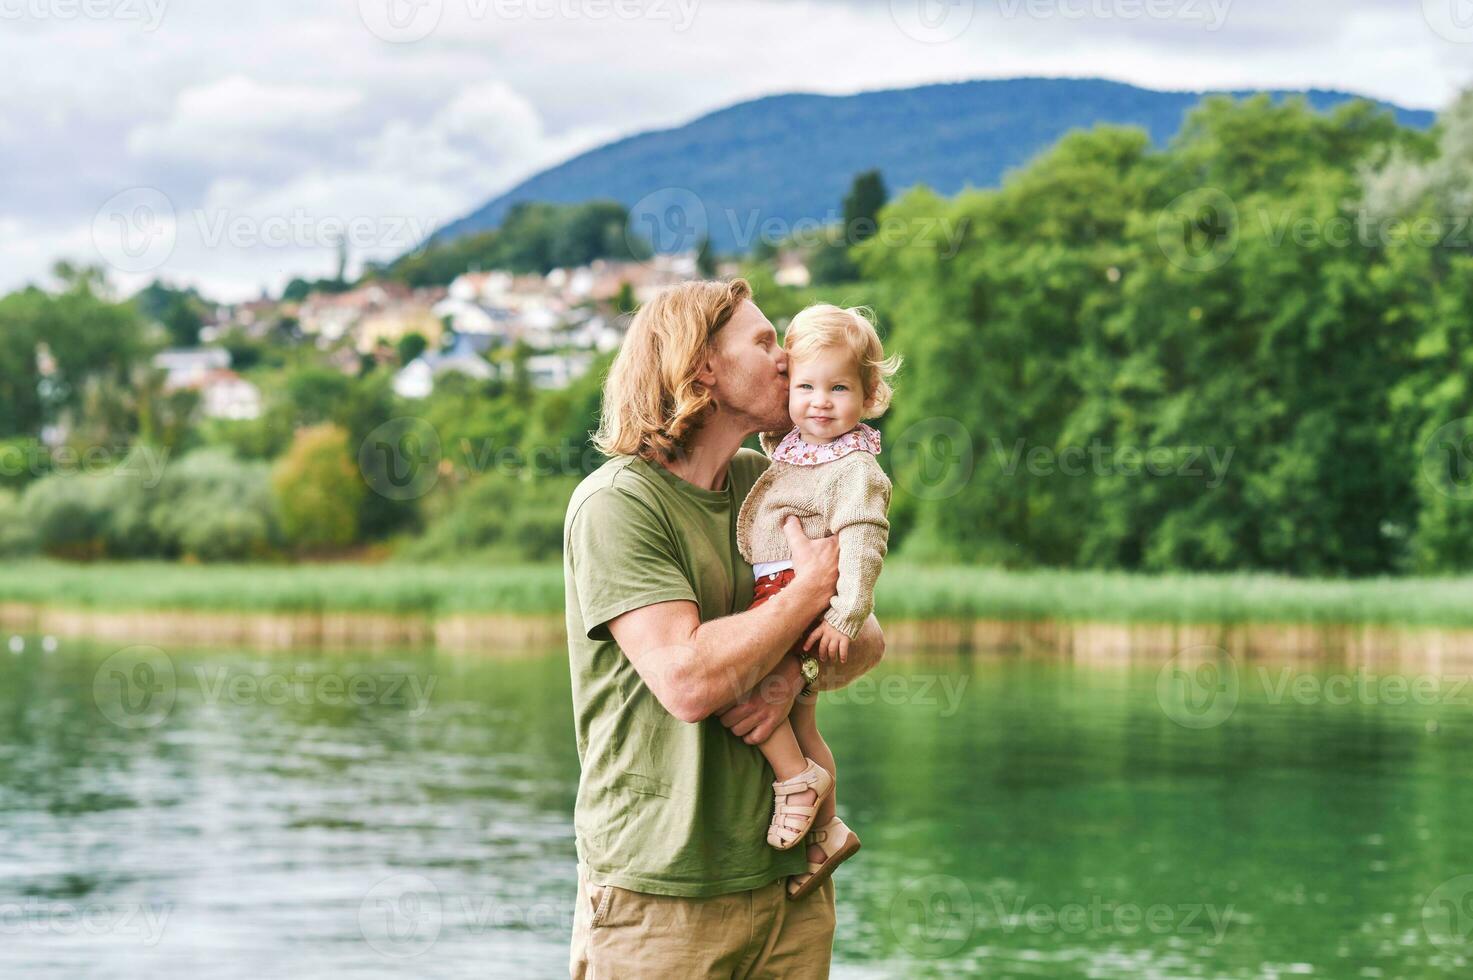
799, 453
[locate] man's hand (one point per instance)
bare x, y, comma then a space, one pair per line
815, 565
756, 715
830, 644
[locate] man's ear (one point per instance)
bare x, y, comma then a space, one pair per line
706, 374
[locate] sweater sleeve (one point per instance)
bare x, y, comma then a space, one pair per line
860, 502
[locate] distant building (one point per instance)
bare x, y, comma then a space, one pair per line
396, 320
185, 367
223, 393
791, 271
226, 395
558, 370
417, 378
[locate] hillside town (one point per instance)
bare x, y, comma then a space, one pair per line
562, 321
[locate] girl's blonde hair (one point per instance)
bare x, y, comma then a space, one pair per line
824, 326
652, 402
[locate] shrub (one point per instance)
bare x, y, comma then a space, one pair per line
318, 489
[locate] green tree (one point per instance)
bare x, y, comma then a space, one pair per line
52, 344
862, 205
1094, 329
318, 489
410, 346
181, 312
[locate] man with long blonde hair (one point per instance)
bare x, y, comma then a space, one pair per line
675, 877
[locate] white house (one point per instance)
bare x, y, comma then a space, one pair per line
558, 370
791, 271
417, 378
186, 367
226, 395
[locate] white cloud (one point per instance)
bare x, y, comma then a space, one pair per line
219, 122
397, 185
283, 106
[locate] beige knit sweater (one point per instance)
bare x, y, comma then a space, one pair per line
849, 497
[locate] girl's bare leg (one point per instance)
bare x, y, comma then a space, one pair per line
804, 719
784, 754
786, 758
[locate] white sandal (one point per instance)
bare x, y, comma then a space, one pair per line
792, 821
838, 844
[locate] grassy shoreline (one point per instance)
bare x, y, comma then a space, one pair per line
906, 592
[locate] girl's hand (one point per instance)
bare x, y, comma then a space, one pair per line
832, 645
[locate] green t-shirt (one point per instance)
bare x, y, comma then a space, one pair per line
664, 807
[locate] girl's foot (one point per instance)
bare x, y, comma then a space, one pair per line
828, 847
795, 805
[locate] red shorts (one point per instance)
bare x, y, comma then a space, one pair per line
770, 585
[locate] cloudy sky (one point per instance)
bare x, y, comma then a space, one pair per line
227, 145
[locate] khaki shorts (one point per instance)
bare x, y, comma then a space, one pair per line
624, 935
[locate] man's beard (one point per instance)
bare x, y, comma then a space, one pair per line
757, 416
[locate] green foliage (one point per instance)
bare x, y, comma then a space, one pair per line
214, 507
410, 346
64, 516
535, 237
862, 205
318, 489
85, 335
299, 289
1110, 301
181, 312
624, 301
206, 506
506, 515
706, 258
16, 535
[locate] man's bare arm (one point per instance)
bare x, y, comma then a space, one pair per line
756, 714
695, 669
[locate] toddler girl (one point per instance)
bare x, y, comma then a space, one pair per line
824, 472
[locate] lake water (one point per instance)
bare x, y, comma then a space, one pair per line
230, 814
